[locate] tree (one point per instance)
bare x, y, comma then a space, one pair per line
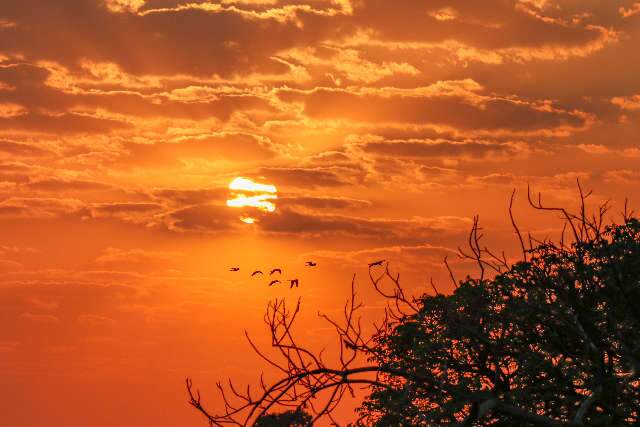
552, 340
297, 418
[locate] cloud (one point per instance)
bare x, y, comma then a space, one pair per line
309, 223
313, 177
330, 157
455, 106
623, 176
191, 196
16, 172
63, 123
630, 103
167, 40
120, 6
132, 212
202, 218
20, 149
346, 65
634, 9
439, 148
285, 221
239, 147
5, 23
50, 95
492, 25
65, 185
323, 202
39, 208
8, 110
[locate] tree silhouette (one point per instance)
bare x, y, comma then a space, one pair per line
297, 418
552, 340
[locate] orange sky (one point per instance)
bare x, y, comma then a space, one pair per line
385, 126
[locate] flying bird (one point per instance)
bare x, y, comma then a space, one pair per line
294, 282
256, 273
373, 264
310, 264
273, 282
275, 270
234, 269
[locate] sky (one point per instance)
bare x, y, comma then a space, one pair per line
376, 129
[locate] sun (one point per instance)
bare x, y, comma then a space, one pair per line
250, 195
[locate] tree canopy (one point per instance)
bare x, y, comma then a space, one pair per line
551, 340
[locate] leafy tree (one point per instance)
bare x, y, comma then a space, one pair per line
297, 418
552, 340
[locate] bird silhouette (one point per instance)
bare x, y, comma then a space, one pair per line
310, 264
273, 282
256, 273
234, 269
275, 270
350, 345
294, 282
373, 264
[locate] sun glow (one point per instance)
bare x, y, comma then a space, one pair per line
245, 184
260, 202
246, 193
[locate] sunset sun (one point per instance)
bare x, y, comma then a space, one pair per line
249, 195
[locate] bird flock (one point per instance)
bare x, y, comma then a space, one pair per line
293, 283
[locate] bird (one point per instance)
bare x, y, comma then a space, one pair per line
273, 282
373, 264
310, 264
350, 345
256, 273
294, 282
234, 269
275, 270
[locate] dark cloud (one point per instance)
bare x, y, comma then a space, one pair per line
103, 209
190, 40
39, 208
190, 197
459, 111
330, 157
491, 24
232, 146
39, 88
472, 149
16, 172
313, 224
61, 185
312, 177
323, 202
19, 149
64, 123
286, 221
203, 219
